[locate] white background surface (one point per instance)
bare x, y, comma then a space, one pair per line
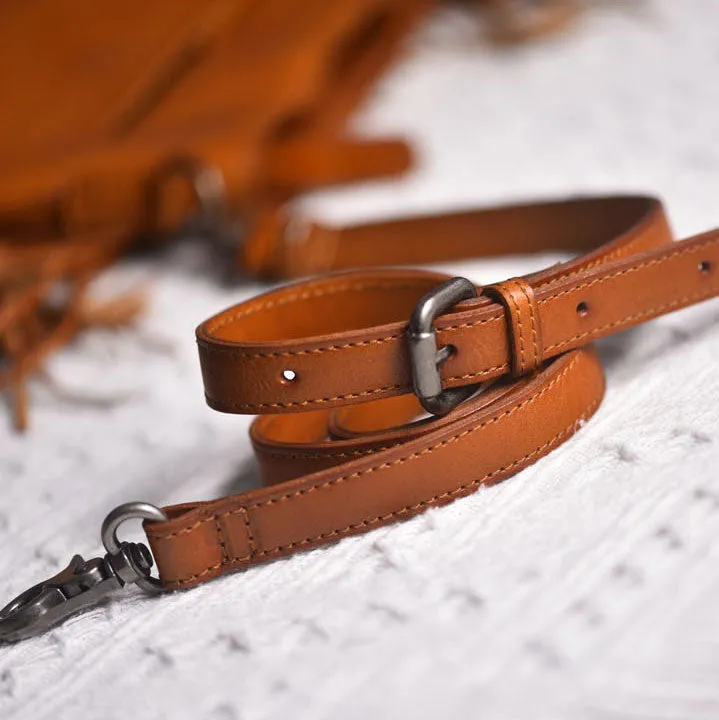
587, 586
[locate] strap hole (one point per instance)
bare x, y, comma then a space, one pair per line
288, 376
704, 267
445, 353
582, 309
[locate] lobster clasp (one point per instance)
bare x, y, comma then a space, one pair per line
81, 584
84, 583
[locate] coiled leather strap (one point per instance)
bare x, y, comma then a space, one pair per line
341, 442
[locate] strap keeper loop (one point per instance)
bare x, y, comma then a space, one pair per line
523, 323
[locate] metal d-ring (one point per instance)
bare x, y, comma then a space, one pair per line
130, 511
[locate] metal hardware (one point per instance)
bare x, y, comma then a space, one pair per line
84, 583
426, 358
213, 219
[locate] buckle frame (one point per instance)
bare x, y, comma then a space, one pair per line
425, 357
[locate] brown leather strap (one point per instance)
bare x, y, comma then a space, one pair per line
522, 318
341, 441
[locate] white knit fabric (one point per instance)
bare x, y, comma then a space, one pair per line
586, 586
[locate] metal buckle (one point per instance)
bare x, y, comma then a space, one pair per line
426, 357
84, 583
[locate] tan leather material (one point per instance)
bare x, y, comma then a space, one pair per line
522, 320
259, 89
363, 489
319, 327
250, 86
122, 120
575, 226
344, 447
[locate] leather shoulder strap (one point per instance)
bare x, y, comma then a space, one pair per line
342, 443
318, 328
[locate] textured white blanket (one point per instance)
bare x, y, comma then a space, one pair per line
587, 586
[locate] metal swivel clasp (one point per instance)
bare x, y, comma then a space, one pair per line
84, 583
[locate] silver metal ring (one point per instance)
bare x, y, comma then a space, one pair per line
130, 511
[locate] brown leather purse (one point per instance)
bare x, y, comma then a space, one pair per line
384, 392
123, 119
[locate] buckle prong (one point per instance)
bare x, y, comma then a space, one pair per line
426, 358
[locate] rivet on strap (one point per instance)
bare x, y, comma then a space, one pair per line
523, 324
